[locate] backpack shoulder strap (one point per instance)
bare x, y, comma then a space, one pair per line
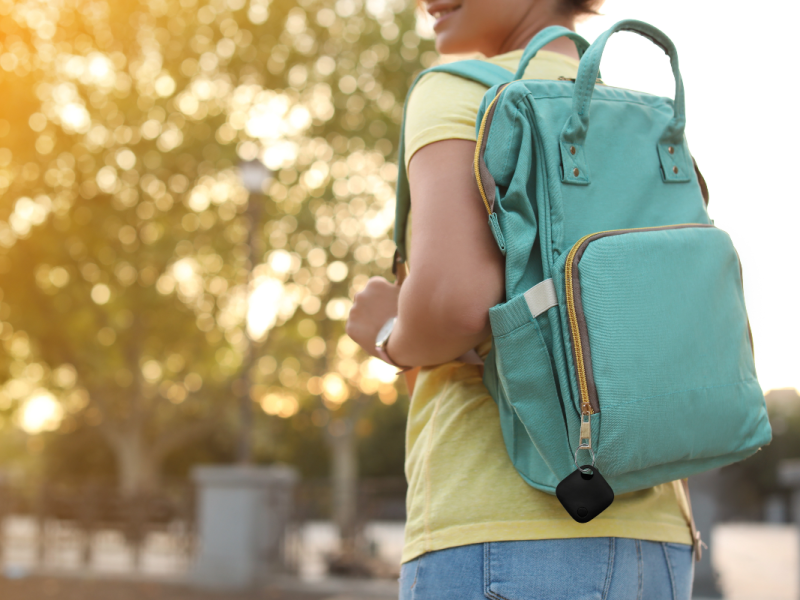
480, 71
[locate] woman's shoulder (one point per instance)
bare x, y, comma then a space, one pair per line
441, 106
439, 85
545, 65
445, 106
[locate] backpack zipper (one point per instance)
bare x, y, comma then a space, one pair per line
480, 145
580, 336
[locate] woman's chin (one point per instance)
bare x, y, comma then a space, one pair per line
450, 42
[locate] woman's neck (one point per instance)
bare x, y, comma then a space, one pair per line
528, 27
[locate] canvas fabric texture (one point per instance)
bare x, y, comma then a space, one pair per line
463, 487
594, 188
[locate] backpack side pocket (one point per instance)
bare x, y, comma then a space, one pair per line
523, 373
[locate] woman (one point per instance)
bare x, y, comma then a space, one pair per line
475, 529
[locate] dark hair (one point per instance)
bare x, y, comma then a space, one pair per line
576, 7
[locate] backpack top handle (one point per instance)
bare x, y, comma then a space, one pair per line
544, 37
487, 74
675, 160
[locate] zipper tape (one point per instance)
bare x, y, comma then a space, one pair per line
577, 322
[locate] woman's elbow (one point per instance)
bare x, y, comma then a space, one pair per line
454, 305
466, 316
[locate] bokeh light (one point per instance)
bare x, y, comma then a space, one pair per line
141, 274
40, 412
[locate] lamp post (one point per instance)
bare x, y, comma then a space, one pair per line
254, 175
243, 509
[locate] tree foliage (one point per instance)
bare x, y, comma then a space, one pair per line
144, 290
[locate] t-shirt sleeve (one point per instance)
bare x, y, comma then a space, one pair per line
441, 107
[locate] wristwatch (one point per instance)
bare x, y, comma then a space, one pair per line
382, 341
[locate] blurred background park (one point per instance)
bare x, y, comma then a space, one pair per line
191, 192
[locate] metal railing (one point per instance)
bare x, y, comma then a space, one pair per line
95, 529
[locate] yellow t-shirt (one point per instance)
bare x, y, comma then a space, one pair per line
463, 488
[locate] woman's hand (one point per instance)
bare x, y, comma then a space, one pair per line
372, 307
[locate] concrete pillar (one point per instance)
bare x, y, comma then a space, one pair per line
242, 514
775, 510
704, 490
789, 476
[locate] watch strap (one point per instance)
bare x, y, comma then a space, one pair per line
384, 356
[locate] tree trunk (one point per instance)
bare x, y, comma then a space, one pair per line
344, 474
139, 459
137, 468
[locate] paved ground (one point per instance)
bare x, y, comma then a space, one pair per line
39, 588
755, 561
47, 588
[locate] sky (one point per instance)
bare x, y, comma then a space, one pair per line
740, 99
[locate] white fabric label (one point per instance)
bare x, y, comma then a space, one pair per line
541, 297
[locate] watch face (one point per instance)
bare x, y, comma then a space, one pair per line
383, 334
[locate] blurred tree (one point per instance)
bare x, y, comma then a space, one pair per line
140, 295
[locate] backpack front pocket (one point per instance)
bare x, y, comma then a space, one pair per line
660, 342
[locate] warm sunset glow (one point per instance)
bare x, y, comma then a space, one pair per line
280, 404
40, 412
280, 261
334, 388
263, 306
380, 370
101, 294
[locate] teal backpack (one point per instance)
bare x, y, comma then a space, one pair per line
624, 339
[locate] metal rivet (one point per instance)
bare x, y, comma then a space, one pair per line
572, 149
671, 150
675, 170
576, 172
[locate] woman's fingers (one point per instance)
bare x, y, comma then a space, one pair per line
372, 307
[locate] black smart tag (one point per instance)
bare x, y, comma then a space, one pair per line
584, 493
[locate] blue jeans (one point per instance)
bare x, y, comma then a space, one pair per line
567, 569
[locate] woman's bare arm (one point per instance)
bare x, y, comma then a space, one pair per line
457, 271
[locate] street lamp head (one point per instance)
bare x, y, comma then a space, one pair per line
254, 174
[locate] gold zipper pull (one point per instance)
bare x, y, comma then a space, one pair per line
585, 441
586, 434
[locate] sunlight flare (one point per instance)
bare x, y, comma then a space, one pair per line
41, 412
